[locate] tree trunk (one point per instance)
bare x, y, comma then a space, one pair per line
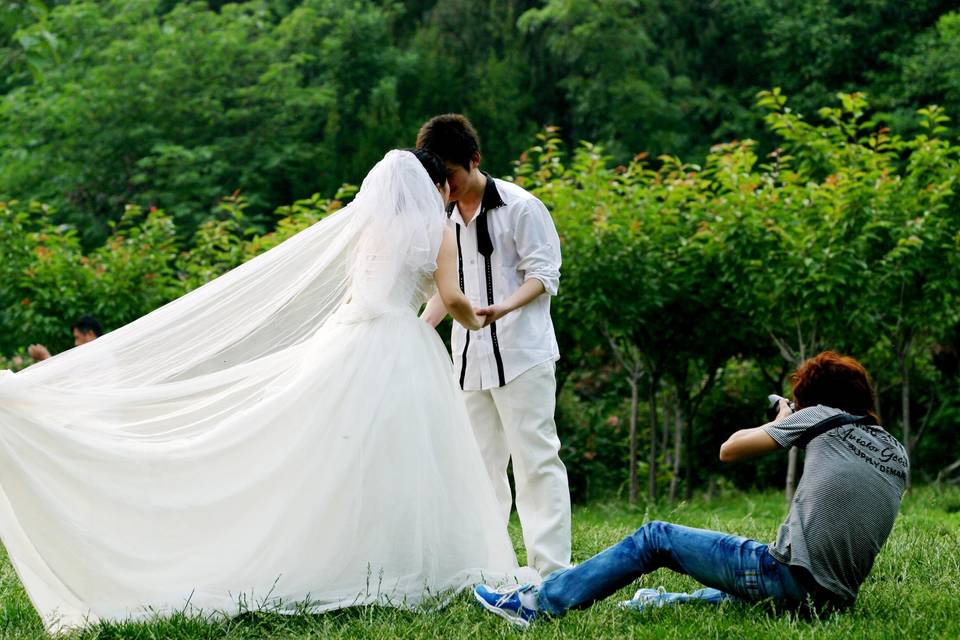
688, 458
791, 484
665, 431
712, 488
652, 456
634, 484
677, 450
689, 405
946, 471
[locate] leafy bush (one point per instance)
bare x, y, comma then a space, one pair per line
689, 291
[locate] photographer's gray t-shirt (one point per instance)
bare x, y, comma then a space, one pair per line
846, 502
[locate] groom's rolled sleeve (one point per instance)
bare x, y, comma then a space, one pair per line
538, 246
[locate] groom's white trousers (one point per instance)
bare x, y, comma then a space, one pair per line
516, 421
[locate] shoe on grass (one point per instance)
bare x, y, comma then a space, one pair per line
644, 599
517, 605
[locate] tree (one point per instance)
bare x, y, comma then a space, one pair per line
176, 109
915, 285
619, 90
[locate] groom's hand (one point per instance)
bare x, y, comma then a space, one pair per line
528, 291
492, 313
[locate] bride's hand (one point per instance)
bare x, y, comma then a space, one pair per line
491, 314
474, 323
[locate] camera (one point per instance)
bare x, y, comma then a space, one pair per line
773, 408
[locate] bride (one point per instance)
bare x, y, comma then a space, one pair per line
287, 437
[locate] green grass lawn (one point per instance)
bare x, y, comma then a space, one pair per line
913, 592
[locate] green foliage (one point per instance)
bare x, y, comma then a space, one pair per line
614, 76
47, 280
174, 109
172, 104
689, 291
922, 70
845, 238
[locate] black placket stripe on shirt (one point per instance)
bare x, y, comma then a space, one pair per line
493, 325
485, 246
466, 343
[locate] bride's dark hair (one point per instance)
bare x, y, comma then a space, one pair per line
432, 163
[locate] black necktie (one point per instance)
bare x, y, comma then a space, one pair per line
484, 244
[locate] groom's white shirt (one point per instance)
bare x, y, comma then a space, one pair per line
525, 245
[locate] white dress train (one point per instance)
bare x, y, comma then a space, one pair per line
245, 449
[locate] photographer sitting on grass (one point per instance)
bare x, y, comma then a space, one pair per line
844, 508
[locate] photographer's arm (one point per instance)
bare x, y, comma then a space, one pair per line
747, 443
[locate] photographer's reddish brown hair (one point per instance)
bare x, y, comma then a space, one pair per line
836, 381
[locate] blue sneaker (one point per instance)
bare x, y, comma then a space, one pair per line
517, 605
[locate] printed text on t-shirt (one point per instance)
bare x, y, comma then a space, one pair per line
881, 458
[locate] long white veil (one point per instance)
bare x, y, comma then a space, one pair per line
269, 304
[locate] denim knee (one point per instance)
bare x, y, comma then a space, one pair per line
648, 529
648, 541
651, 532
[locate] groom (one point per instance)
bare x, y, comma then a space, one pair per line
508, 255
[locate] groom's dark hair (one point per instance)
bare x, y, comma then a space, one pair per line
451, 137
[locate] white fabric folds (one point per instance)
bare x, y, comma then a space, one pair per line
287, 437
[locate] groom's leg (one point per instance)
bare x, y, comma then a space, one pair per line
526, 406
488, 430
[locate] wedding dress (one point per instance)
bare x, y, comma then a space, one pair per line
287, 437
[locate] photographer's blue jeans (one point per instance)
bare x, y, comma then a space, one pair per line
730, 566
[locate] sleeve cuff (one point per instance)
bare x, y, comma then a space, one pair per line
778, 435
550, 284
